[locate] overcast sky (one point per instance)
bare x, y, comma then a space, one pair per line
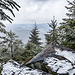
40, 11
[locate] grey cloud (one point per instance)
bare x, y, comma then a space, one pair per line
40, 11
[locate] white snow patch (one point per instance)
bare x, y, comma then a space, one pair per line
59, 66
72, 72
67, 54
62, 66
11, 69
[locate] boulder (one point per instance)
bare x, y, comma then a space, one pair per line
54, 59
14, 68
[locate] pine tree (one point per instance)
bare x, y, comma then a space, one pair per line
34, 38
31, 50
4, 32
7, 5
11, 39
51, 36
18, 44
71, 10
2, 28
18, 47
68, 27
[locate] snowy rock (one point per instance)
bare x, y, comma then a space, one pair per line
13, 68
67, 54
59, 66
55, 59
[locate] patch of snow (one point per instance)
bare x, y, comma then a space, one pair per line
67, 54
72, 72
59, 66
13, 68
9, 68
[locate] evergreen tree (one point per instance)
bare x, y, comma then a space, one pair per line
18, 45
2, 32
2, 28
7, 5
51, 36
11, 38
31, 50
34, 38
68, 27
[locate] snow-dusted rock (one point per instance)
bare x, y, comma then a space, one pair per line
55, 59
70, 55
13, 68
59, 66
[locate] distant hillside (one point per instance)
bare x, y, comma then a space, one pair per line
23, 30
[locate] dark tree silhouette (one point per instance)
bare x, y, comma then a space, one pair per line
34, 37
51, 36
68, 26
7, 5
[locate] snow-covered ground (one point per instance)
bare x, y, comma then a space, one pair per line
62, 66
13, 68
67, 54
59, 66
66, 65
